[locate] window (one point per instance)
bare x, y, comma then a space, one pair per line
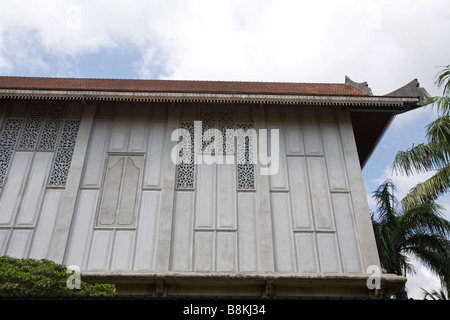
121, 188
217, 139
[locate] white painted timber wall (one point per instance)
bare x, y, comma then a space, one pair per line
28, 205
311, 217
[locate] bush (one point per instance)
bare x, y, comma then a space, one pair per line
43, 277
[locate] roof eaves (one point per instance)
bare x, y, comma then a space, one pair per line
361, 101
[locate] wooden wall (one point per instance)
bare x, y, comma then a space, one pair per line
311, 217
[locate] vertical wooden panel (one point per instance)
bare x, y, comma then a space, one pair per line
4, 105
121, 128
320, 194
181, 253
81, 230
243, 113
206, 196
105, 110
44, 228
282, 232
305, 244
19, 109
111, 191
139, 128
4, 236
64, 219
153, 163
189, 112
122, 255
73, 110
266, 255
204, 251
278, 181
226, 196
226, 256
293, 132
121, 190
247, 233
327, 115
273, 113
366, 238
311, 132
334, 157
131, 185
158, 111
95, 158
34, 189
166, 217
328, 252
345, 229
146, 232
19, 243
12, 191
100, 253
299, 193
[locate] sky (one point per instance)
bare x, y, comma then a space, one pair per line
385, 43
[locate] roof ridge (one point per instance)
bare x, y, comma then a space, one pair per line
172, 80
169, 85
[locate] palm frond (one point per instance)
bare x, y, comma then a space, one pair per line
433, 251
438, 131
442, 104
443, 79
426, 218
385, 199
387, 238
421, 158
428, 190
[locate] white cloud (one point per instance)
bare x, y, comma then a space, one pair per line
404, 183
62, 29
385, 43
423, 279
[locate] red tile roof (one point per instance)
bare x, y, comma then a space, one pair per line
179, 86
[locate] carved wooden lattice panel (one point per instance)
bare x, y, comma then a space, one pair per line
51, 128
186, 155
64, 152
218, 138
32, 128
245, 157
39, 131
215, 122
8, 140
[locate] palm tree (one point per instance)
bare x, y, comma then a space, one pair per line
413, 231
432, 156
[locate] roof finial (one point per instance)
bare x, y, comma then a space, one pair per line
362, 86
411, 89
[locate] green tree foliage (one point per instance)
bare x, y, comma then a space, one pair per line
413, 231
43, 277
432, 156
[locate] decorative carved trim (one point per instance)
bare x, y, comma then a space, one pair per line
185, 172
8, 140
63, 157
368, 101
245, 155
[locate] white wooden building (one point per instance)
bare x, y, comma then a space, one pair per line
87, 178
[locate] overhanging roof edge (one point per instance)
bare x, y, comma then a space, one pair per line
208, 97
